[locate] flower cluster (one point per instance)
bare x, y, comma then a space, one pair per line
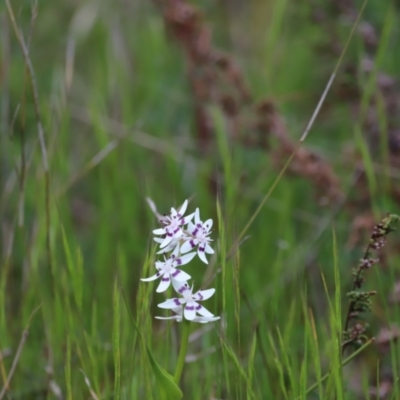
180, 240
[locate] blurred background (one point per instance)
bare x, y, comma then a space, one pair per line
205, 100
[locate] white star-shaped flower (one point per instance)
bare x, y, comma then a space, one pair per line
168, 270
171, 245
200, 232
179, 316
189, 301
173, 225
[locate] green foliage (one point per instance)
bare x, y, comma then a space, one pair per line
119, 126
165, 384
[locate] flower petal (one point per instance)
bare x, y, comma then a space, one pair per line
180, 287
183, 208
197, 216
177, 233
167, 240
208, 225
189, 245
168, 248
176, 317
204, 320
182, 260
164, 250
152, 278
164, 283
180, 276
187, 219
160, 265
176, 251
209, 249
171, 303
203, 311
191, 227
159, 231
203, 294
173, 212
190, 310
196, 230
201, 254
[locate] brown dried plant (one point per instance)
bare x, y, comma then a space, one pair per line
372, 96
354, 331
216, 79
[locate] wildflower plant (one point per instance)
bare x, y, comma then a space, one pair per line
360, 300
180, 239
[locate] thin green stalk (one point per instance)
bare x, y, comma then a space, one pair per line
183, 350
345, 362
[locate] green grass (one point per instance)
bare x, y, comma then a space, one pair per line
118, 127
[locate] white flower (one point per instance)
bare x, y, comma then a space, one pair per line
173, 225
171, 246
167, 270
179, 313
189, 301
200, 232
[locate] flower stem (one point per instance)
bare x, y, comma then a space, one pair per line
183, 350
